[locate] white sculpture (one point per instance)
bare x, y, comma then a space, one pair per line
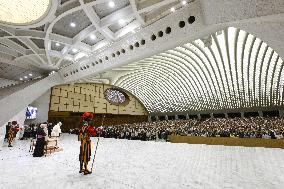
56, 130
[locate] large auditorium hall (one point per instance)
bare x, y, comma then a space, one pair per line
144, 94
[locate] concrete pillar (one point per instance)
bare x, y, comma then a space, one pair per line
226, 115
199, 116
149, 119
166, 117
157, 118
242, 114
281, 113
176, 117
186, 116
260, 113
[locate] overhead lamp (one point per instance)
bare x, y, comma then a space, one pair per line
72, 24
51, 73
30, 74
121, 21
25, 77
183, 2
173, 9
21, 79
57, 44
93, 37
111, 4
74, 50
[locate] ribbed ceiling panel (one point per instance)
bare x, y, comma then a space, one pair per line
236, 70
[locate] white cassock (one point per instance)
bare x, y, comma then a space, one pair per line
56, 130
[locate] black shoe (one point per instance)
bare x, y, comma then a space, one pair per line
86, 172
81, 171
10, 146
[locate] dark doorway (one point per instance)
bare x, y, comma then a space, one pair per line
162, 118
192, 116
233, 115
183, 117
274, 113
219, 115
251, 114
171, 117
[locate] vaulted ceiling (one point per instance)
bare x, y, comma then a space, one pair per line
231, 69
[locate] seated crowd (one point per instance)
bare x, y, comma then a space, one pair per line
253, 127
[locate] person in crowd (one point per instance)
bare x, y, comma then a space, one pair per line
100, 131
33, 130
40, 141
86, 132
21, 132
49, 127
27, 132
74, 131
8, 126
45, 129
15, 128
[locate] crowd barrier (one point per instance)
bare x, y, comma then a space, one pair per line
228, 141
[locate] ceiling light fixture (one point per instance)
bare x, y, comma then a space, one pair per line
57, 44
183, 2
93, 37
121, 21
25, 77
74, 50
173, 9
21, 79
51, 73
111, 4
30, 74
72, 24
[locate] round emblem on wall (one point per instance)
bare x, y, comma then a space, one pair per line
116, 96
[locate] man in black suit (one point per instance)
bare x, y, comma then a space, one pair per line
49, 127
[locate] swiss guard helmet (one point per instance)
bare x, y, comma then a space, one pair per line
87, 118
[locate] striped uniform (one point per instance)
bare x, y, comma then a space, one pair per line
85, 148
10, 136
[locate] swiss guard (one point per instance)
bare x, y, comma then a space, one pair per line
85, 133
12, 133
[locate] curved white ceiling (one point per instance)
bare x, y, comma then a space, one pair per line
228, 70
